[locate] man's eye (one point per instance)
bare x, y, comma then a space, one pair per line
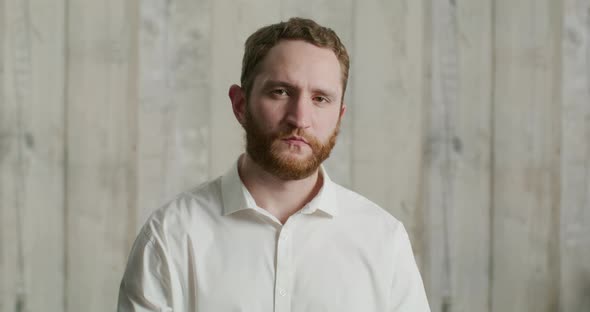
321, 99
281, 92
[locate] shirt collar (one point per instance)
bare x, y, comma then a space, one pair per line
325, 200
236, 196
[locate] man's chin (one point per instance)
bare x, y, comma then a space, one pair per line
293, 173
293, 160
294, 166
294, 154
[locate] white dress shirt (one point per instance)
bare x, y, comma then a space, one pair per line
212, 249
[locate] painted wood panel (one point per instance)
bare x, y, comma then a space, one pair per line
101, 158
32, 155
458, 145
174, 100
390, 90
468, 120
12, 281
526, 191
575, 162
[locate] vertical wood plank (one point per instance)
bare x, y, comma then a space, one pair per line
526, 191
232, 22
458, 168
101, 159
31, 156
390, 88
338, 15
575, 163
175, 100
11, 254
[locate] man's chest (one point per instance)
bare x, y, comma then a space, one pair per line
288, 271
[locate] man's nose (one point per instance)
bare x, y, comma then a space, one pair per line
299, 112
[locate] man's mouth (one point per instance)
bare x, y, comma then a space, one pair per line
296, 140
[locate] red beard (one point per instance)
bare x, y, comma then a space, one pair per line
264, 149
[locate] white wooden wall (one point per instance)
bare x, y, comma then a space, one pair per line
469, 120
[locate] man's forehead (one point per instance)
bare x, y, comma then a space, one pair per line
299, 50
298, 63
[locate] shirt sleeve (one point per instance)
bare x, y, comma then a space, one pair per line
146, 283
407, 289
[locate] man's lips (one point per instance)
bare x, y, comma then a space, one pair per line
295, 140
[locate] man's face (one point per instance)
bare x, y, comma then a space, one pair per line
293, 113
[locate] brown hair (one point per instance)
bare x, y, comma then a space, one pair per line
260, 42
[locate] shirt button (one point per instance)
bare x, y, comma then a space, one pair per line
284, 235
282, 292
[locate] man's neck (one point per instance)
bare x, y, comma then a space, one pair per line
279, 197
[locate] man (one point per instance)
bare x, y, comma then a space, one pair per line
275, 233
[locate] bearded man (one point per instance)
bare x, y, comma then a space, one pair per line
275, 233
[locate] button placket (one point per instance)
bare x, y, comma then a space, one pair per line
283, 268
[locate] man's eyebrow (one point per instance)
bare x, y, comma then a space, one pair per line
277, 83
328, 92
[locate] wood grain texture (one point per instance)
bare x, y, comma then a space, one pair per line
31, 156
575, 162
526, 191
467, 120
12, 281
175, 100
390, 87
338, 15
458, 169
101, 154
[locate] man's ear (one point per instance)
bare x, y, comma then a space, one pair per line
237, 96
342, 110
